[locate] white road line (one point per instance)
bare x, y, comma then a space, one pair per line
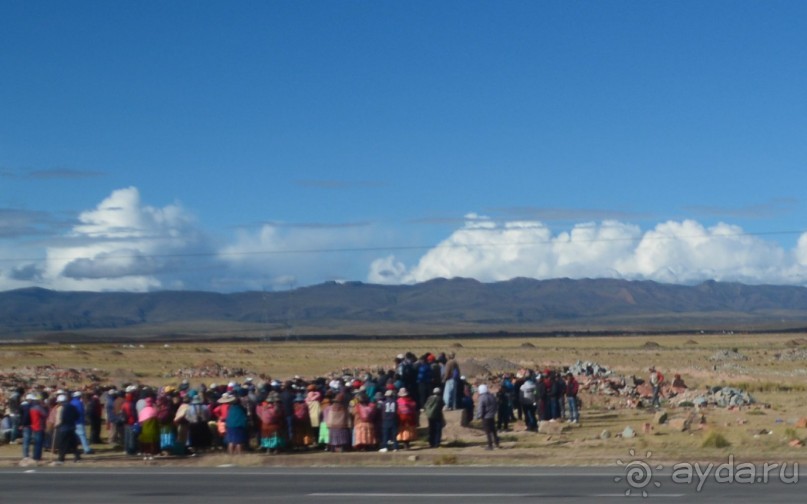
414, 495
471, 495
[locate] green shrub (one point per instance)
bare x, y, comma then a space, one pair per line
715, 440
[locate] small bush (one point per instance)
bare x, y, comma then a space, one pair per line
715, 440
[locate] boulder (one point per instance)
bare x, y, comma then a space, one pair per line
605, 434
552, 428
628, 433
801, 423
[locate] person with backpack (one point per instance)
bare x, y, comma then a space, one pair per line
407, 418
363, 423
303, 433
424, 379
433, 408
198, 415
66, 418
528, 403
236, 426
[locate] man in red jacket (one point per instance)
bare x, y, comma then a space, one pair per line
39, 416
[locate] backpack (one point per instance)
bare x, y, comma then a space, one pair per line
527, 395
300, 411
365, 412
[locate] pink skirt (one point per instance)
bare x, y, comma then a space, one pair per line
364, 434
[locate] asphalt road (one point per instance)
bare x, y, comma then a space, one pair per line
357, 485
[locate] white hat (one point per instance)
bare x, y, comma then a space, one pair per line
77, 393
436, 390
30, 397
483, 389
61, 398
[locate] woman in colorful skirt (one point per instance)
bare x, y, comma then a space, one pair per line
272, 418
407, 418
324, 434
236, 424
364, 437
149, 437
337, 419
303, 434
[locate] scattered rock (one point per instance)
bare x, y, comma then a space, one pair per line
412, 458
605, 434
628, 433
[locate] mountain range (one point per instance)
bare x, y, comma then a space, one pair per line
456, 306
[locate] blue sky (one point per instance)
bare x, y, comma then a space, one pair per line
234, 146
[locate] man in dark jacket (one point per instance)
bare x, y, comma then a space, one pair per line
487, 413
67, 417
434, 413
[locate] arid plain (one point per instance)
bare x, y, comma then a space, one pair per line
769, 367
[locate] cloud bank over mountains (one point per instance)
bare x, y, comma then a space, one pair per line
123, 244
673, 252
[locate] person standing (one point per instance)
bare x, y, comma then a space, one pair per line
25, 425
407, 418
487, 413
389, 422
527, 401
572, 389
237, 424
434, 414
94, 415
656, 379
128, 418
451, 380
39, 418
67, 417
81, 432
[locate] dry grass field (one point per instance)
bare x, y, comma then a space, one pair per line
773, 372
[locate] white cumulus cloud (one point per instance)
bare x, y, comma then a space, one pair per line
279, 256
674, 252
121, 244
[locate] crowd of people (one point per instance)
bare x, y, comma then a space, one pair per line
378, 410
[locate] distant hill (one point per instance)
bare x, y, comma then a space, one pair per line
456, 306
